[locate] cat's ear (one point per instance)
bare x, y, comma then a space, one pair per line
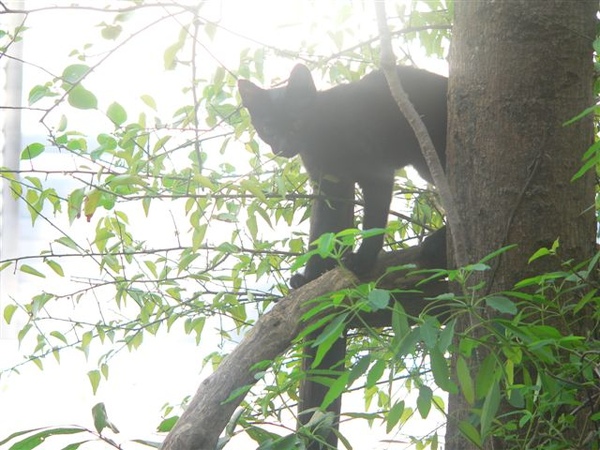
301, 82
251, 94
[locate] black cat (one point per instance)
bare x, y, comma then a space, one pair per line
349, 134
352, 133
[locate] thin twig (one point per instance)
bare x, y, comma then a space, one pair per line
388, 65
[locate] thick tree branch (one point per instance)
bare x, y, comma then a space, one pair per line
207, 415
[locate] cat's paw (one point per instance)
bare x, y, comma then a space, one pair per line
297, 281
357, 264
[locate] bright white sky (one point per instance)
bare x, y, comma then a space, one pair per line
142, 382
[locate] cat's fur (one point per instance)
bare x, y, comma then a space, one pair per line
350, 134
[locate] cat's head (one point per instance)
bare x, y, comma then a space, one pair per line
280, 116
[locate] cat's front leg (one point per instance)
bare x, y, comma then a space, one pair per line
377, 194
332, 211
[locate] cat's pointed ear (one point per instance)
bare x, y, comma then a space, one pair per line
250, 93
301, 81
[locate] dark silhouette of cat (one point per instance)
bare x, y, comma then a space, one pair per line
347, 135
350, 134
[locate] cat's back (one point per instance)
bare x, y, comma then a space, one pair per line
422, 87
370, 97
365, 119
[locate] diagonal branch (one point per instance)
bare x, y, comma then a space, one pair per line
208, 413
388, 66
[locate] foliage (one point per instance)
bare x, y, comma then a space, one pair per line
538, 344
540, 364
34, 438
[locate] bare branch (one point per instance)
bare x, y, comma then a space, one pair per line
388, 65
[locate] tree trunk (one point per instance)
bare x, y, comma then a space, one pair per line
519, 70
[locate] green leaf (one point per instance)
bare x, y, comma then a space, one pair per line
326, 244
581, 115
56, 267
375, 373
104, 369
260, 435
429, 331
464, 380
111, 32
470, 432
39, 438
210, 28
81, 98
252, 226
9, 311
67, 242
170, 55
502, 304
116, 113
91, 203
101, 418
359, 368
497, 253
75, 73
32, 150
446, 336
94, 377
439, 369
74, 204
241, 391
589, 164
408, 342
167, 424
424, 401
149, 101
538, 254
205, 182
161, 143
31, 271
254, 188
490, 407
378, 299
39, 92
39, 301
17, 434
23, 332
485, 377
394, 416
58, 335
545, 251
336, 389
479, 267
39, 363
399, 321
198, 235
328, 336
62, 124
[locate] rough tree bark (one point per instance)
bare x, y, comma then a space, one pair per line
519, 69
207, 415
